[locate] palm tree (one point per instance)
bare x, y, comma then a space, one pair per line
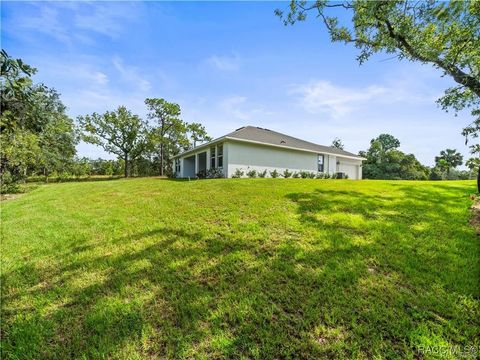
449, 159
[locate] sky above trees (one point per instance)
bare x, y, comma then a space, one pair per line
228, 65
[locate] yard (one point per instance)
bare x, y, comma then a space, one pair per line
253, 268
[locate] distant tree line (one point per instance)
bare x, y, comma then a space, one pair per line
39, 139
385, 161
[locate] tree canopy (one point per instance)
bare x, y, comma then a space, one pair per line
35, 131
448, 159
119, 132
445, 35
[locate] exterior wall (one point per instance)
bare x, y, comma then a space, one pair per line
353, 168
248, 157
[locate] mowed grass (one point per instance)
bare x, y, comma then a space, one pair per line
261, 268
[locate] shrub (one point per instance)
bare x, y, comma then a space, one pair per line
8, 184
296, 175
287, 174
274, 174
202, 174
346, 176
262, 174
303, 174
327, 176
238, 174
215, 173
320, 175
252, 174
334, 176
311, 175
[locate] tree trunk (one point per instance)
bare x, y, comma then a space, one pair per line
478, 180
161, 159
126, 165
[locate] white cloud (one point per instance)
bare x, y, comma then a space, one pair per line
237, 107
131, 75
105, 19
324, 97
224, 63
338, 101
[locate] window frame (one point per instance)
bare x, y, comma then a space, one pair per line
220, 156
213, 153
321, 164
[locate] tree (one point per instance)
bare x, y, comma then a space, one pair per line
118, 132
443, 34
473, 164
449, 159
34, 128
197, 132
170, 131
337, 143
385, 161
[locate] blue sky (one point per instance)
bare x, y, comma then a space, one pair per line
228, 64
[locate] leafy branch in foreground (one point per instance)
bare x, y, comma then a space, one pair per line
443, 34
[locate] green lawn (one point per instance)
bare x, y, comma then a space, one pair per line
261, 268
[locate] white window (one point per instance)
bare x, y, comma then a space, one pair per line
212, 157
320, 162
220, 155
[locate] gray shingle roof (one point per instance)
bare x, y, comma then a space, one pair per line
267, 136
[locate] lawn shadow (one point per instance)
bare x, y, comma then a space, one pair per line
356, 275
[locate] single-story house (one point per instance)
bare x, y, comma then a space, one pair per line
254, 148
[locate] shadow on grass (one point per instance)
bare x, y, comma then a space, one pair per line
363, 275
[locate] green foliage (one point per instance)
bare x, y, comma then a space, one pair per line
448, 159
385, 161
287, 174
238, 173
304, 174
248, 268
35, 133
337, 143
262, 174
119, 132
252, 174
274, 174
170, 136
296, 175
445, 35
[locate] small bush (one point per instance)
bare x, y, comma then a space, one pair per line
274, 174
215, 173
262, 174
320, 175
296, 175
311, 175
252, 174
327, 176
202, 174
334, 176
346, 176
238, 174
304, 174
8, 184
287, 174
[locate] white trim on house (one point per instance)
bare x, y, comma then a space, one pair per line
246, 154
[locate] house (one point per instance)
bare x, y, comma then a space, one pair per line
254, 148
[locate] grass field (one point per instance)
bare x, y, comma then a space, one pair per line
261, 268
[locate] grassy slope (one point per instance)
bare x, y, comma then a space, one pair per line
256, 268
